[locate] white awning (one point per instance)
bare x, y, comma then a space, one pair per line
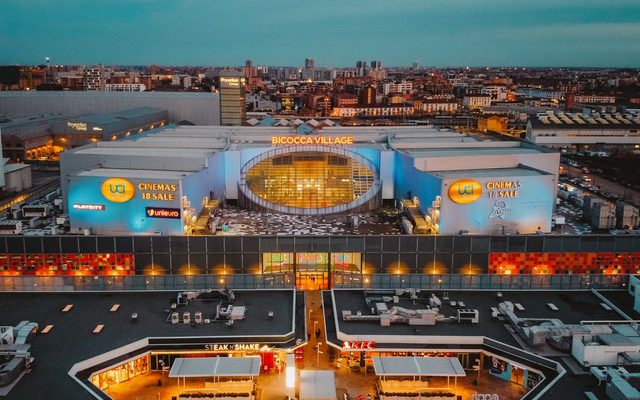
215, 366
317, 385
417, 366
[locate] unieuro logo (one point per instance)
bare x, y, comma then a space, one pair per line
155, 212
465, 191
117, 190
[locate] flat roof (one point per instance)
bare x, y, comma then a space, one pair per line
72, 339
215, 366
490, 172
573, 307
475, 151
317, 385
144, 152
417, 366
135, 173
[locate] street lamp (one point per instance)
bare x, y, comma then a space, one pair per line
290, 374
318, 352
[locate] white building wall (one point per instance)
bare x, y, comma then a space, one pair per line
198, 108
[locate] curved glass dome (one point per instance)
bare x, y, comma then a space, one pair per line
309, 179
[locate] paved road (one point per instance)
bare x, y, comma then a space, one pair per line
629, 195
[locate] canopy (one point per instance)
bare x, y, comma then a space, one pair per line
417, 366
215, 366
317, 385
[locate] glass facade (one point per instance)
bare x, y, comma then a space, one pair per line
121, 373
310, 179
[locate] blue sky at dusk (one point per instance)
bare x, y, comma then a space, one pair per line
333, 32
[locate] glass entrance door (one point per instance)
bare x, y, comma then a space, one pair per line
312, 271
312, 280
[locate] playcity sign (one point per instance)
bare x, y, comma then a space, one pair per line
237, 347
331, 140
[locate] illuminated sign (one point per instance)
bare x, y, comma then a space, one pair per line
91, 207
157, 191
96, 128
499, 210
503, 189
465, 191
231, 82
359, 345
78, 126
117, 190
237, 347
154, 212
280, 140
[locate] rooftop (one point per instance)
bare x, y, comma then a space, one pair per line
490, 172
71, 340
135, 173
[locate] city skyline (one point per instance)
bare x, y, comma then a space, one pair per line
436, 33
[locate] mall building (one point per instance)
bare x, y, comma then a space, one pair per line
162, 182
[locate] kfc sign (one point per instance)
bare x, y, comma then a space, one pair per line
358, 345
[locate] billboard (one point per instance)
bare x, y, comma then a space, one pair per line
117, 205
497, 204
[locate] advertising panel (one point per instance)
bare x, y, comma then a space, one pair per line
497, 204
116, 205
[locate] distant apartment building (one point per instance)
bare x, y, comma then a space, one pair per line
184, 81
345, 100
476, 102
403, 87
497, 93
540, 93
94, 79
388, 111
435, 106
125, 87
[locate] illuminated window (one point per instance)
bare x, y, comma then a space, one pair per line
347, 262
273, 263
312, 262
310, 179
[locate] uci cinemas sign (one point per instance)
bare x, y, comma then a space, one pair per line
120, 190
467, 191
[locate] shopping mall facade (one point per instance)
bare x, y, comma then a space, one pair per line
134, 205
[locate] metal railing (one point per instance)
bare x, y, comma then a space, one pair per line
143, 282
481, 282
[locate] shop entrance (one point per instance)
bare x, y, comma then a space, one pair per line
314, 271
312, 280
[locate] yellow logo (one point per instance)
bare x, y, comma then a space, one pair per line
465, 191
117, 190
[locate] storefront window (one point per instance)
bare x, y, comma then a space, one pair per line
316, 262
273, 263
347, 262
121, 373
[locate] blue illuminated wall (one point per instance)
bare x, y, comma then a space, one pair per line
119, 218
421, 184
529, 212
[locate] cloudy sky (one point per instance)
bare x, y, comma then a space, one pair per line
602, 33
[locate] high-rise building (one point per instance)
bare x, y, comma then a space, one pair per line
248, 70
232, 108
94, 78
368, 96
309, 63
376, 64
361, 68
